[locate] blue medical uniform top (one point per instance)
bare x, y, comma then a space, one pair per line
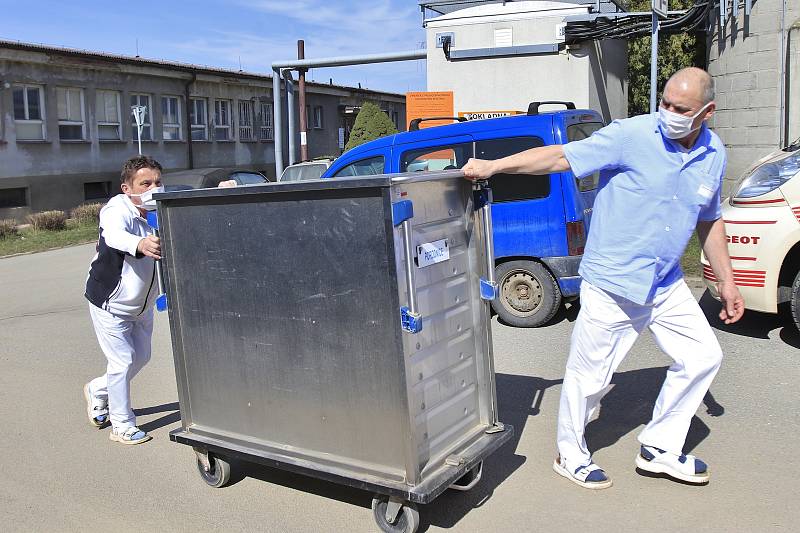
651, 194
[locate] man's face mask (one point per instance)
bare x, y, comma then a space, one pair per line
145, 200
677, 126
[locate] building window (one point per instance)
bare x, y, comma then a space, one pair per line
265, 122
17, 197
396, 119
29, 112
147, 132
70, 114
246, 120
107, 114
171, 118
222, 120
308, 117
199, 119
97, 190
318, 117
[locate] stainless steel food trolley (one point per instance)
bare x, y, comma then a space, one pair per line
337, 329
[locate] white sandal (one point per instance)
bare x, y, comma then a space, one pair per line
686, 468
129, 435
588, 476
96, 408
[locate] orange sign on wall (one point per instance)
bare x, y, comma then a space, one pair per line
429, 104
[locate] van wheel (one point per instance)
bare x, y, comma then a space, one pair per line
528, 294
795, 301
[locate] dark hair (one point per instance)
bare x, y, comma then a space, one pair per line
136, 163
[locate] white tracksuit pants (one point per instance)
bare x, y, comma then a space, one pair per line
126, 345
604, 332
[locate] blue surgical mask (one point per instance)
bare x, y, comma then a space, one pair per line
677, 126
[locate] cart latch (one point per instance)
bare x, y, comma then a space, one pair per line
402, 211
488, 289
411, 322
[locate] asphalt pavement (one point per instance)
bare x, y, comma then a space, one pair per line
60, 474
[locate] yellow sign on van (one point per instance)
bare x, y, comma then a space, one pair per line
481, 115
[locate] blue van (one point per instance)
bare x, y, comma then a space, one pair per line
540, 222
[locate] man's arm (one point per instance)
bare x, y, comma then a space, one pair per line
117, 236
541, 160
715, 247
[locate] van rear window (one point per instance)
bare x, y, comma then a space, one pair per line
577, 132
513, 187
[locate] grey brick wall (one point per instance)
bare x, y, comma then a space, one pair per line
744, 57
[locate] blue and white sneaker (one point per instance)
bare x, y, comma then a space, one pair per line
96, 408
588, 476
129, 435
686, 468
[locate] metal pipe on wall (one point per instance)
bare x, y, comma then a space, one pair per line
324, 62
277, 123
291, 112
188, 129
783, 141
654, 63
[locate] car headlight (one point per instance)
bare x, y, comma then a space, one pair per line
767, 177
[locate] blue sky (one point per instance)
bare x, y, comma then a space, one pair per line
223, 32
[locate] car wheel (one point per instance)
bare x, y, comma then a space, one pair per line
528, 294
794, 301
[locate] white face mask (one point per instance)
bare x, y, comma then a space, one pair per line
146, 198
677, 126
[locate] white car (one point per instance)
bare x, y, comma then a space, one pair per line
762, 221
307, 170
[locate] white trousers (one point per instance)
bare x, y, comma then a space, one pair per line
604, 332
126, 345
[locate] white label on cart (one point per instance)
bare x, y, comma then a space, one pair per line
430, 253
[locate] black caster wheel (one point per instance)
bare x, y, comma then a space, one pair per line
406, 521
218, 475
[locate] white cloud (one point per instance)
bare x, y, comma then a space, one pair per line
328, 29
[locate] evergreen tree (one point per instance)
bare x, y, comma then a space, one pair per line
674, 53
371, 123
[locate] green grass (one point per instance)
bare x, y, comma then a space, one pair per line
690, 262
29, 240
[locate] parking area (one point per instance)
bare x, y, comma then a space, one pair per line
60, 474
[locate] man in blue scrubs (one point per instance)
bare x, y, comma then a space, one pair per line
660, 178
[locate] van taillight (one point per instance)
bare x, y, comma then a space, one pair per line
576, 237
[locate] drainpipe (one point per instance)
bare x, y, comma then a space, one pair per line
783, 56
290, 116
188, 129
277, 123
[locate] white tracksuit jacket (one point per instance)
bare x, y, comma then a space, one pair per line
121, 281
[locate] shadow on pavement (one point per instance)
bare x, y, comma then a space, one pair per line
629, 406
519, 397
753, 324
171, 418
568, 312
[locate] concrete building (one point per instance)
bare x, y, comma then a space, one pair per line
755, 61
505, 55
66, 123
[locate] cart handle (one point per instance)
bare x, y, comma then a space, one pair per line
161, 300
483, 203
410, 319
